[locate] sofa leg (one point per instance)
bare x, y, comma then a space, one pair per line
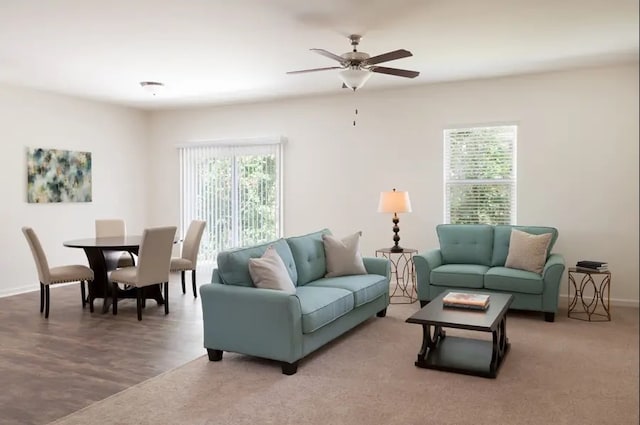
423, 303
382, 313
549, 317
289, 368
214, 355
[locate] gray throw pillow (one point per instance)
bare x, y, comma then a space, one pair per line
528, 252
343, 255
269, 272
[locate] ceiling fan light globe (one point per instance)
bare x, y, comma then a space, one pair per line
354, 78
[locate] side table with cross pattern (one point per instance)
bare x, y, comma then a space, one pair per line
584, 305
402, 274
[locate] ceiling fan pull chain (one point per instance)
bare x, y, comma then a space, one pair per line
354, 118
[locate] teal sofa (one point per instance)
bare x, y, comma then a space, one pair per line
272, 324
472, 257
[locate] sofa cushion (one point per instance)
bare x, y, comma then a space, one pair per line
459, 275
513, 280
233, 265
465, 243
343, 255
269, 272
308, 254
322, 305
502, 236
527, 252
365, 288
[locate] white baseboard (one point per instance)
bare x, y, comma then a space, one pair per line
18, 290
28, 288
619, 302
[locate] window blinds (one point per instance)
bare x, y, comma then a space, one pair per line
480, 175
236, 189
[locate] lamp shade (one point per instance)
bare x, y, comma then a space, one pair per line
394, 202
354, 78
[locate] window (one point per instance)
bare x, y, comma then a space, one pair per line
480, 175
236, 189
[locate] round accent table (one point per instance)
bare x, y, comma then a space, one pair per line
403, 272
590, 298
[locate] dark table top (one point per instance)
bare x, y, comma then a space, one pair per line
120, 242
478, 320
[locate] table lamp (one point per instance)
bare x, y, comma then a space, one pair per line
395, 202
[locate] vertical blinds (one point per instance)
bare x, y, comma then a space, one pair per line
480, 175
236, 189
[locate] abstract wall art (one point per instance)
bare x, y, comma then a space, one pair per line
55, 175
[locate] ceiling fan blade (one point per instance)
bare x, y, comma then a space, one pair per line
389, 56
314, 69
329, 55
394, 71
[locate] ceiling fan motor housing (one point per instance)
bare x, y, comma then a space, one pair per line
355, 58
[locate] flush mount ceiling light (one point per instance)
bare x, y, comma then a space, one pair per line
152, 87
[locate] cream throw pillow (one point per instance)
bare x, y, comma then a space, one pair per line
343, 255
528, 252
269, 272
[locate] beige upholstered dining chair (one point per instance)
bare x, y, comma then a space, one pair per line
113, 228
154, 258
50, 276
189, 258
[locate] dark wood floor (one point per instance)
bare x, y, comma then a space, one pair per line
50, 368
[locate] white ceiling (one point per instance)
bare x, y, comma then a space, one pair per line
227, 51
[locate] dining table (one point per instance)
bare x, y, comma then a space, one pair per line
103, 255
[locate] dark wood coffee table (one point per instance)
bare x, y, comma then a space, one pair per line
463, 355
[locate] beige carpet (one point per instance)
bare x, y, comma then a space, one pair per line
567, 372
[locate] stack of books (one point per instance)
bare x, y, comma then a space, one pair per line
465, 300
592, 266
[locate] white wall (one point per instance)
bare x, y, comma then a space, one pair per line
115, 136
577, 158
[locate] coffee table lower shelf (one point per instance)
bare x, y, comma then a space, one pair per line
462, 355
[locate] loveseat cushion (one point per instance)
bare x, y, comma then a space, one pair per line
365, 288
233, 265
322, 305
502, 236
308, 254
513, 280
459, 275
465, 243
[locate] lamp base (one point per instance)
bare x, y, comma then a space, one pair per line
396, 248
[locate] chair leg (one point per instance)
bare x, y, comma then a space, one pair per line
139, 302
83, 293
47, 299
41, 297
184, 291
193, 283
166, 298
89, 299
114, 297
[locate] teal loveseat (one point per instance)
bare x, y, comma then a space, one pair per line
472, 257
273, 324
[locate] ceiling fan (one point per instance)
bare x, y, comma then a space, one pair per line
357, 67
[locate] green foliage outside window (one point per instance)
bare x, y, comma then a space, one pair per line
480, 175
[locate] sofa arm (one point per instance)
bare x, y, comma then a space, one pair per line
259, 322
381, 266
552, 275
424, 263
